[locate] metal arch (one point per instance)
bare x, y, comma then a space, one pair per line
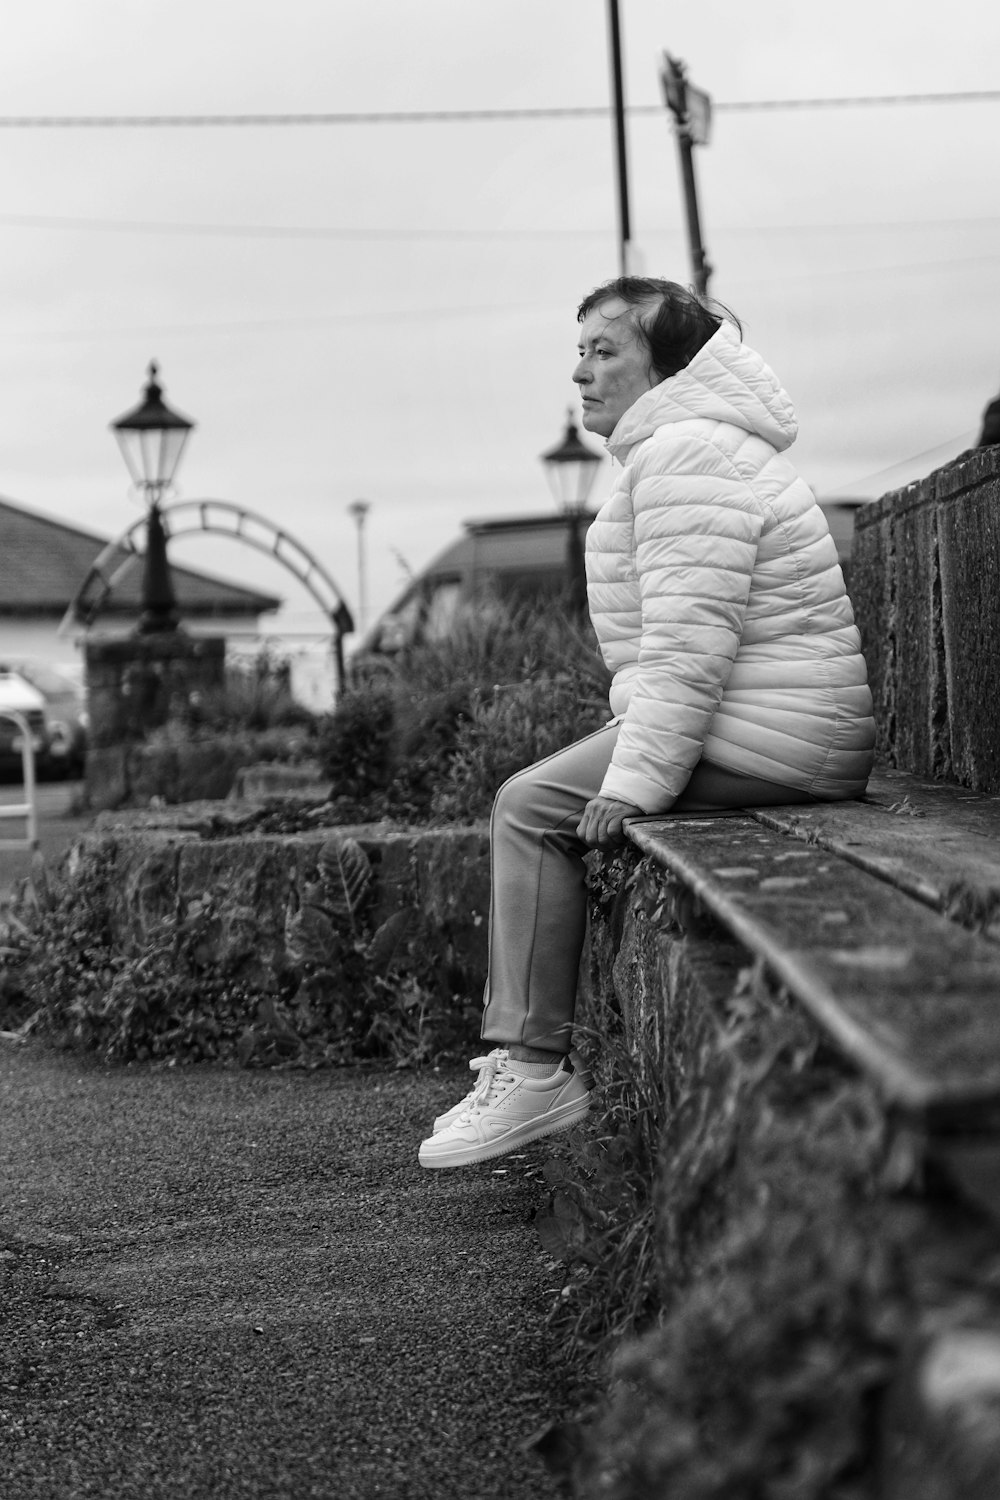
119, 557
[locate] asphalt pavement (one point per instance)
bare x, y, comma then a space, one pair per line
218, 1284
229, 1284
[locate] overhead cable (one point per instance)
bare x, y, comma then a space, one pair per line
452, 116
486, 234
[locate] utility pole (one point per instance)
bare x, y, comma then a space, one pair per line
621, 145
692, 112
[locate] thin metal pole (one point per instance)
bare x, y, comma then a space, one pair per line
621, 145
159, 602
576, 566
359, 510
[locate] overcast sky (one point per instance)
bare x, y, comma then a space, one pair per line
386, 310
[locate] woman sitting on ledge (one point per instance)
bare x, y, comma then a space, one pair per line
738, 678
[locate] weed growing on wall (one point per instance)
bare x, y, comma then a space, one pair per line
373, 992
768, 1299
600, 1222
76, 983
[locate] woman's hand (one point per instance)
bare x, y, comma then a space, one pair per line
601, 824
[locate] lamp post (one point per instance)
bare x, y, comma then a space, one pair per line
571, 468
359, 510
152, 438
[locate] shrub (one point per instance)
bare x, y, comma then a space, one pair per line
256, 695
353, 745
520, 724
431, 733
343, 992
427, 724
76, 983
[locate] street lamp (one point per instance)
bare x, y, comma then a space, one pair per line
152, 438
571, 468
359, 510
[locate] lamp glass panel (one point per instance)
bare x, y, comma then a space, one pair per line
571, 481
151, 454
172, 440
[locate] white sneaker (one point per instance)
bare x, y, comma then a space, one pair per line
506, 1109
479, 1063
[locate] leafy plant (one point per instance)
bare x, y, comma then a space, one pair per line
344, 991
354, 745
428, 735
170, 1000
382, 989
519, 724
256, 695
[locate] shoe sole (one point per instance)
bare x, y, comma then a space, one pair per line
561, 1118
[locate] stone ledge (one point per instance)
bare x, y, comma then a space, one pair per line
833, 899
676, 966
935, 841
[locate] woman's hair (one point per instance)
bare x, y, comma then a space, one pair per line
672, 322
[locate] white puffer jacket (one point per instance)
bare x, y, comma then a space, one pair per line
717, 596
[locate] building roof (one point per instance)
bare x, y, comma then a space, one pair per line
43, 563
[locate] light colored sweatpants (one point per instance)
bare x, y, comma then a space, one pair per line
538, 902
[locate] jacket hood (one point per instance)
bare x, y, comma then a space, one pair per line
725, 382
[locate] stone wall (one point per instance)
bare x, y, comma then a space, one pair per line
926, 591
165, 859
814, 1279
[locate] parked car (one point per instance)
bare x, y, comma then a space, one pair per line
63, 746
18, 696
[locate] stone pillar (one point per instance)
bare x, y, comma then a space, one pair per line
133, 682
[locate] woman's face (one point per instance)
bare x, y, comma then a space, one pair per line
614, 367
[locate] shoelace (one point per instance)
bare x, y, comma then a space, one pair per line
489, 1069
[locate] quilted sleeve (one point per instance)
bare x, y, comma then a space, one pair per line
696, 528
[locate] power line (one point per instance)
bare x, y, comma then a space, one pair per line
314, 322
956, 96
280, 231
310, 322
451, 116
351, 233
287, 231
